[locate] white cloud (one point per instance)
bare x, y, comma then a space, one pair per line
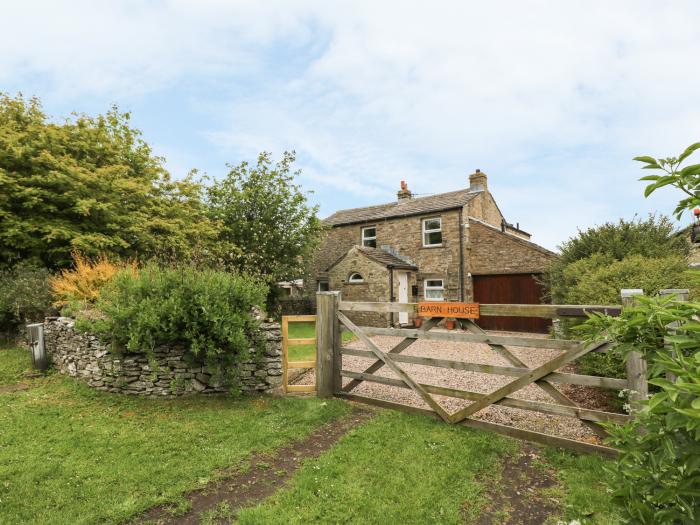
550, 99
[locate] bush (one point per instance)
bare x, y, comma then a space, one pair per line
652, 237
207, 311
657, 478
598, 280
24, 296
80, 287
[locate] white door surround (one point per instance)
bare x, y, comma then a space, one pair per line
403, 295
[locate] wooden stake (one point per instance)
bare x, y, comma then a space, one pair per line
326, 308
636, 365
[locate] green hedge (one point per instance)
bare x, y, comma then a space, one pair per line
206, 311
24, 296
598, 280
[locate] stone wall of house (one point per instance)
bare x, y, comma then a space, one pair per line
335, 243
484, 207
404, 235
484, 250
170, 371
493, 252
374, 288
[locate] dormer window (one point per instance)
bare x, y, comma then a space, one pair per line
369, 236
355, 278
432, 232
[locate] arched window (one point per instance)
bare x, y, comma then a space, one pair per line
355, 278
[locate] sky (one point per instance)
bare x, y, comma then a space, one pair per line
551, 100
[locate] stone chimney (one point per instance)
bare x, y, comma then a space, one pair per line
404, 193
477, 181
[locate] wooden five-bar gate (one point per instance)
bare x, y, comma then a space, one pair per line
332, 316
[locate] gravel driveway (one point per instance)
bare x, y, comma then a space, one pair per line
464, 380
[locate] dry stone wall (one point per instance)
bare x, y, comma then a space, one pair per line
168, 372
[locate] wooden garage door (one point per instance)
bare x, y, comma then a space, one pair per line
510, 289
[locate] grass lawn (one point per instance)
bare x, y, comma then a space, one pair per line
72, 455
407, 469
303, 331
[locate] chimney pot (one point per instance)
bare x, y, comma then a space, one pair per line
404, 193
478, 181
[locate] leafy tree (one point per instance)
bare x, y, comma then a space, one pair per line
92, 185
686, 179
268, 227
650, 237
596, 248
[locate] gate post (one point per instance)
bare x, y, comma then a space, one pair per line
682, 295
636, 365
326, 328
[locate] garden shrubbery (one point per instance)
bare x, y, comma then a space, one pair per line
207, 311
79, 287
24, 296
600, 261
599, 278
657, 478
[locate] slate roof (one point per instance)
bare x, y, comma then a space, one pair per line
416, 206
385, 258
380, 256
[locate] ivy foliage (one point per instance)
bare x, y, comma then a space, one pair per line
206, 311
657, 478
92, 185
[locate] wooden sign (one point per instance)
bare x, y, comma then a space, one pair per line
444, 309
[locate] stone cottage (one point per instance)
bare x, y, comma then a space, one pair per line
454, 246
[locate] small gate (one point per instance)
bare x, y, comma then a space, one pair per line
286, 363
331, 314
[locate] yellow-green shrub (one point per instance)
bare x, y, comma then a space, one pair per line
83, 283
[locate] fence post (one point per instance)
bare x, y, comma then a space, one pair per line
682, 295
326, 325
636, 365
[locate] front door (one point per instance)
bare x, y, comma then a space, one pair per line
403, 295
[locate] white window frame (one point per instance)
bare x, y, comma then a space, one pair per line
432, 230
318, 286
356, 281
427, 288
366, 238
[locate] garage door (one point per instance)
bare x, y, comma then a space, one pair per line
510, 289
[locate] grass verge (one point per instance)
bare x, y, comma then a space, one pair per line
396, 468
14, 363
71, 455
581, 489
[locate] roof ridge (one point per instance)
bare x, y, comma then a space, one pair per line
412, 199
418, 205
512, 236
